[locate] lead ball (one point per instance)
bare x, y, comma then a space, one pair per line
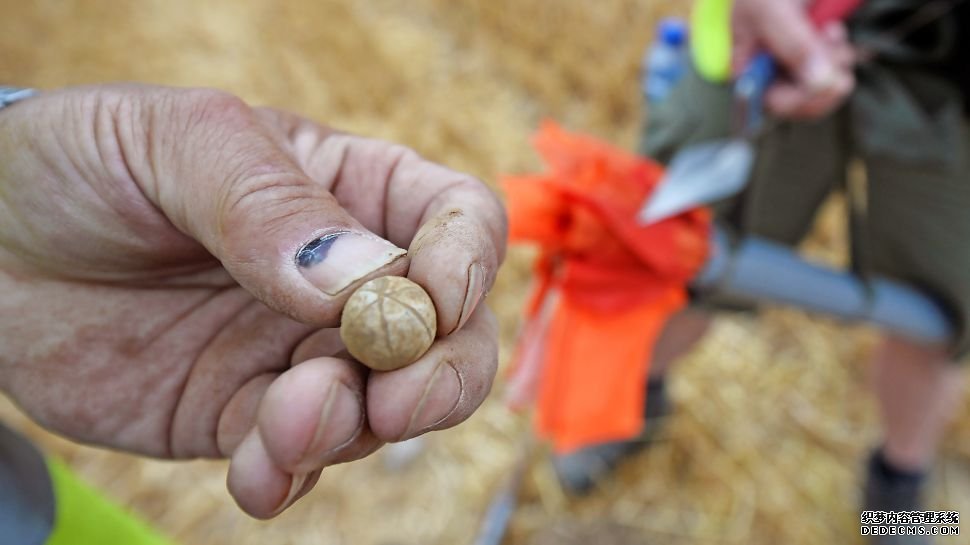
388, 323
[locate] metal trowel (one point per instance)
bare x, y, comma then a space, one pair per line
704, 173
701, 174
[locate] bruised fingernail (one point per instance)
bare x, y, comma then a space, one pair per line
337, 260
473, 292
341, 421
439, 399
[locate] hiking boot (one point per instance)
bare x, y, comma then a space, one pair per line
890, 490
580, 471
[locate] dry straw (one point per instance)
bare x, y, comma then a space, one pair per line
771, 420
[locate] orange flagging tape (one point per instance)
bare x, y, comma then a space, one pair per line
605, 286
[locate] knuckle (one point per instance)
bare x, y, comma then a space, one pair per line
403, 153
208, 105
202, 119
261, 204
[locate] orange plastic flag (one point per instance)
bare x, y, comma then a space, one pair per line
605, 286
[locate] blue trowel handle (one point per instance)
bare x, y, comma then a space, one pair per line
750, 89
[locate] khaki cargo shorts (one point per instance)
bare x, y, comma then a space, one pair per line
906, 126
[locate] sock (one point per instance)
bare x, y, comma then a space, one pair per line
894, 475
656, 384
657, 405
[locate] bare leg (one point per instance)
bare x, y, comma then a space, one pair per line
679, 336
918, 390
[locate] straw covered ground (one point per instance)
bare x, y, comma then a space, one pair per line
772, 417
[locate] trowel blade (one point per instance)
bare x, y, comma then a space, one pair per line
700, 175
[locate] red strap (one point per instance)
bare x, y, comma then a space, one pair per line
824, 12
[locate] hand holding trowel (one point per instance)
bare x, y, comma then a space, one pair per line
704, 173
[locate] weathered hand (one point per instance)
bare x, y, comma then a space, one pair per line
172, 263
820, 63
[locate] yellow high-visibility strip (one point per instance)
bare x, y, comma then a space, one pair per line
85, 517
711, 39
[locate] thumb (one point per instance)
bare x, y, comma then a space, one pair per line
230, 182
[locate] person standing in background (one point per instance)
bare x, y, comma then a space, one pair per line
881, 89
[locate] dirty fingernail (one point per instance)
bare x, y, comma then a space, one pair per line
336, 260
439, 399
341, 421
473, 293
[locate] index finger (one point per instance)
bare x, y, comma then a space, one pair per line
456, 251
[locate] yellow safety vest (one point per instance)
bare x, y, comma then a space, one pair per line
711, 39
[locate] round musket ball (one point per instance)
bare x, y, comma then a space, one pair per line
388, 323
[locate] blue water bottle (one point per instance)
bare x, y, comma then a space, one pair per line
665, 61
